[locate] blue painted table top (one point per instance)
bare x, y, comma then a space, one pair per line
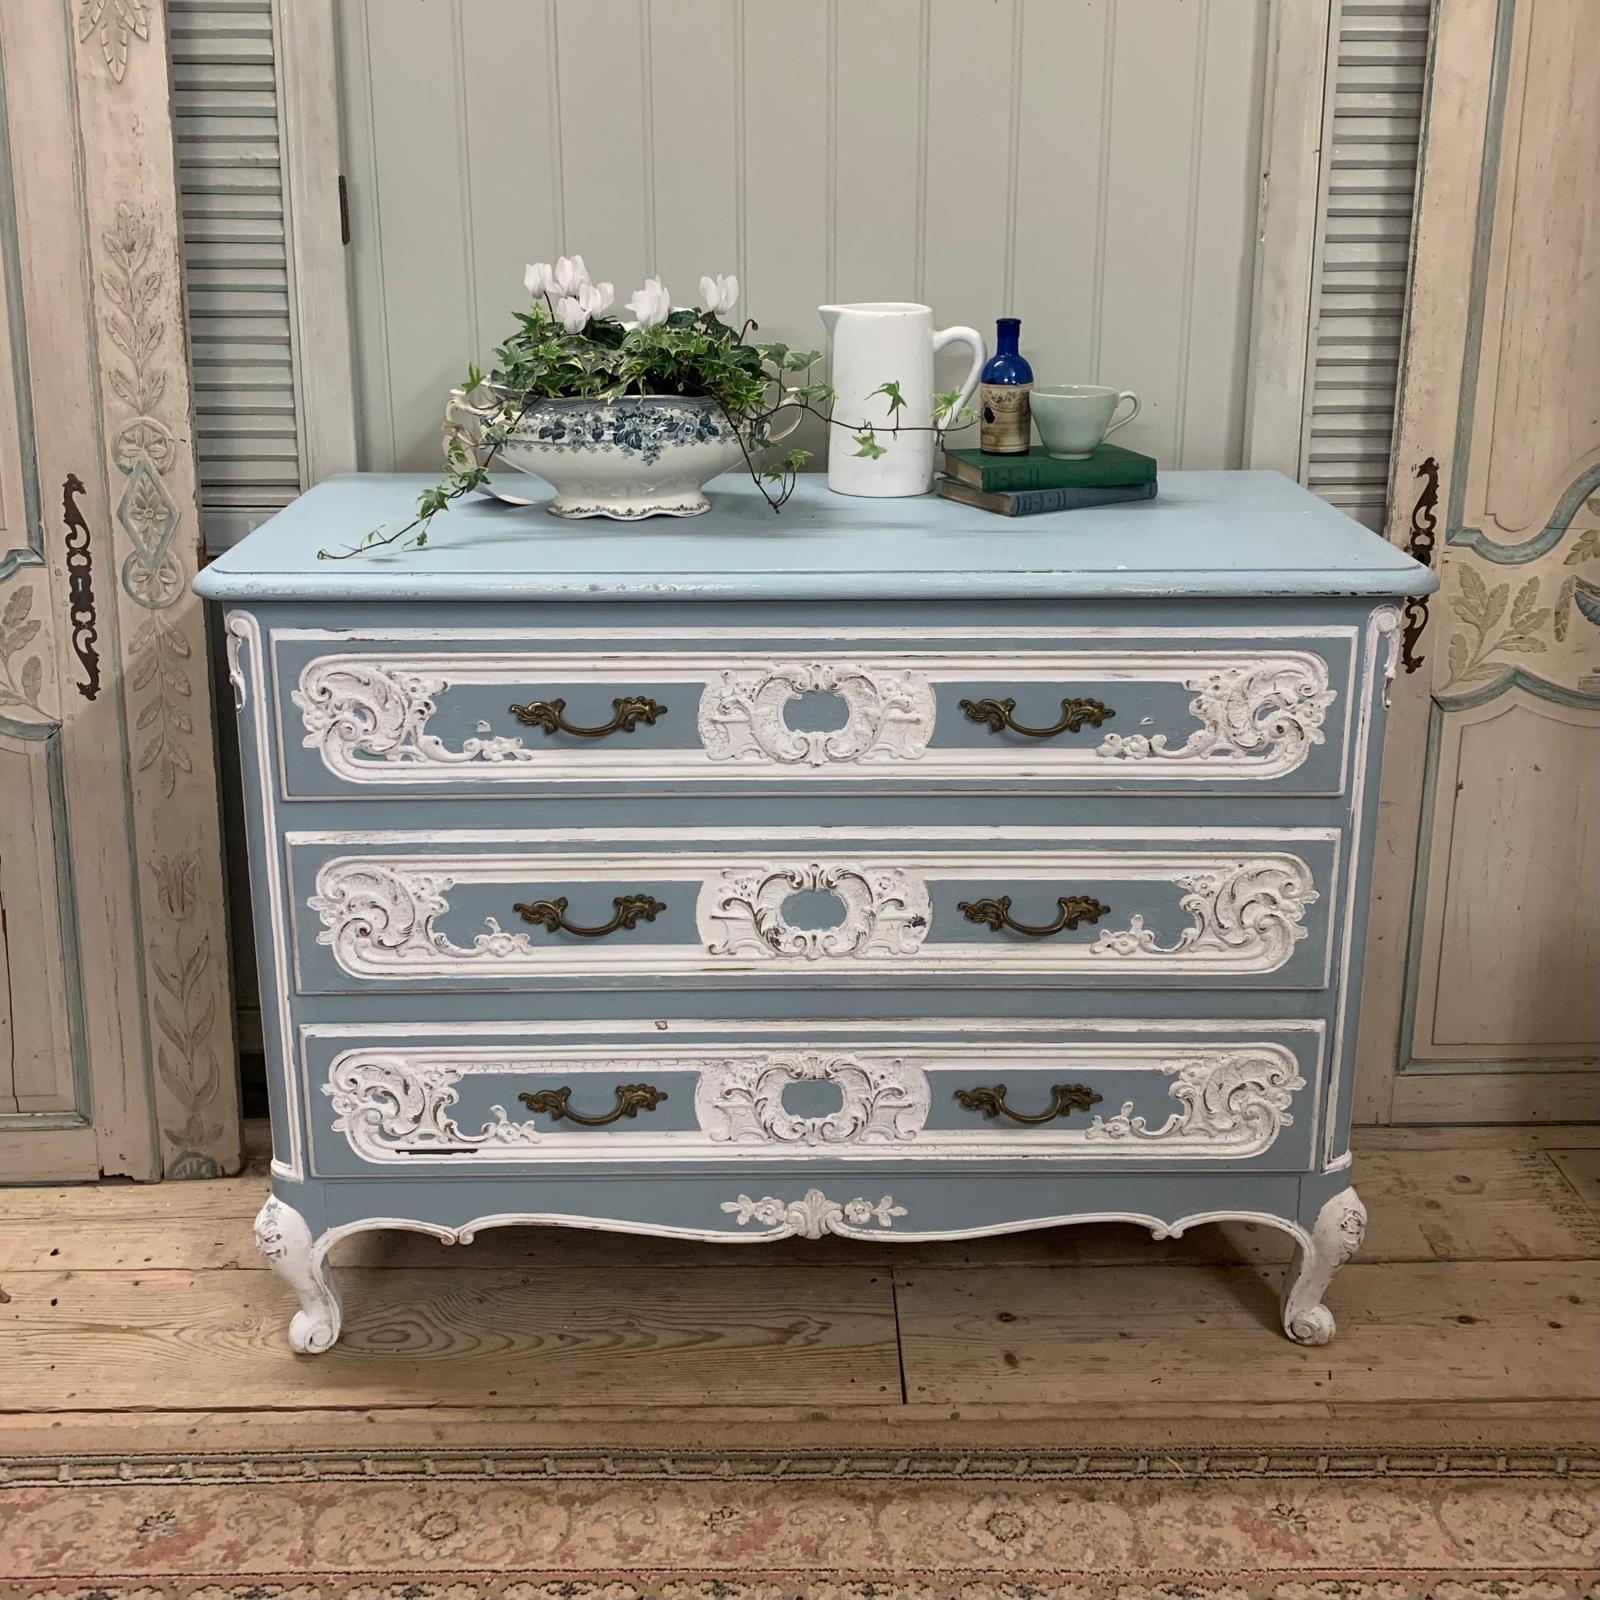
1207, 533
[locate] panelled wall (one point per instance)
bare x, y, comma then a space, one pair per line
1089, 166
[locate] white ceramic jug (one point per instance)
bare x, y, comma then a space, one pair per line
873, 344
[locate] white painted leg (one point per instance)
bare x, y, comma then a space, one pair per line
285, 1241
1337, 1236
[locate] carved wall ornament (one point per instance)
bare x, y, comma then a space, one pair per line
186, 1015
880, 1100
1234, 1102
889, 715
80, 587
813, 1215
143, 446
1419, 546
159, 656
387, 1106
21, 673
886, 911
114, 23
1268, 714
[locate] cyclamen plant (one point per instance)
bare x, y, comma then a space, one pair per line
568, 347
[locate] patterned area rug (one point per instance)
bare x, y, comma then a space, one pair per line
810, 1524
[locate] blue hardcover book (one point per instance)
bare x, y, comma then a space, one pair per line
1030, 502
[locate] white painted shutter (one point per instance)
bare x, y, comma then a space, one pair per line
225, 122
1375, 87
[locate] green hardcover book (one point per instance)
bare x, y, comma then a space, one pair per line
1108, 466
1033, 502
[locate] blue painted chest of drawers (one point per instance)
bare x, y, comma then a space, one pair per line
881, 868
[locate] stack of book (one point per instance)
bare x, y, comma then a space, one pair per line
1020, 486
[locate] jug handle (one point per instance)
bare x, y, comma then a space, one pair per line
968, 336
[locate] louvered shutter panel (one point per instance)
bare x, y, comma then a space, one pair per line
1379, 59
225, 123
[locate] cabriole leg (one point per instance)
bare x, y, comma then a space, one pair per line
1340, 1225
285, 1241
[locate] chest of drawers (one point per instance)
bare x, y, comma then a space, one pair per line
877, 869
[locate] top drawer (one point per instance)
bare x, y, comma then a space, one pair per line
397, 711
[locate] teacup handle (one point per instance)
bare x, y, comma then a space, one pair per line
1127, 394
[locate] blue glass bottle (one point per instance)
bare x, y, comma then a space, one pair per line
1005, 424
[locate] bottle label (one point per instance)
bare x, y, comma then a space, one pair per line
1005, 421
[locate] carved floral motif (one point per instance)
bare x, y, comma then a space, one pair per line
385, 1105
1245, 912
1234, 1099
813, 1215
21, 673
886, 912
1269, 714
742, 1100
114, 22
143, 446
889, 715
356, 707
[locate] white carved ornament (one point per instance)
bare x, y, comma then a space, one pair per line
364, 708
1268, 714
813, 1215
379, 921
385, 1105
1246, 913
889, 717
880, 1100
1235, 1103
886, 912
394, 1105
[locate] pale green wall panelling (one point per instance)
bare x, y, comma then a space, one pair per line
1091, 167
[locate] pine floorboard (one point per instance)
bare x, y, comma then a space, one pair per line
143, 1315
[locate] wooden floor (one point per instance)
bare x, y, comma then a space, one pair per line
125, 1307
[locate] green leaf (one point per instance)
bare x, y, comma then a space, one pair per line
32, 677
795, 460
17, 607
891, 391
870, 448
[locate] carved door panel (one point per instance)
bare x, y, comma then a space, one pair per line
1485, 965
115, 1033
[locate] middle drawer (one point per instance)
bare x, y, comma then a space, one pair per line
1132, 908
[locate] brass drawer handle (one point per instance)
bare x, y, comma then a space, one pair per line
550, 715
1065, 1098
996, 914
552, 914
996, 716
632, 1098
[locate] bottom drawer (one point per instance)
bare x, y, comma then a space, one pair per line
1115, 1093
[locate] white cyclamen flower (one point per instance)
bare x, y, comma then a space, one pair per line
571, 274
539, 279
572, 313
575, 310
652, 304
719, 294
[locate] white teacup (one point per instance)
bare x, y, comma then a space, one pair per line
1074, 417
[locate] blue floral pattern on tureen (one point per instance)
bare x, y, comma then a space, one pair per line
639, 430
